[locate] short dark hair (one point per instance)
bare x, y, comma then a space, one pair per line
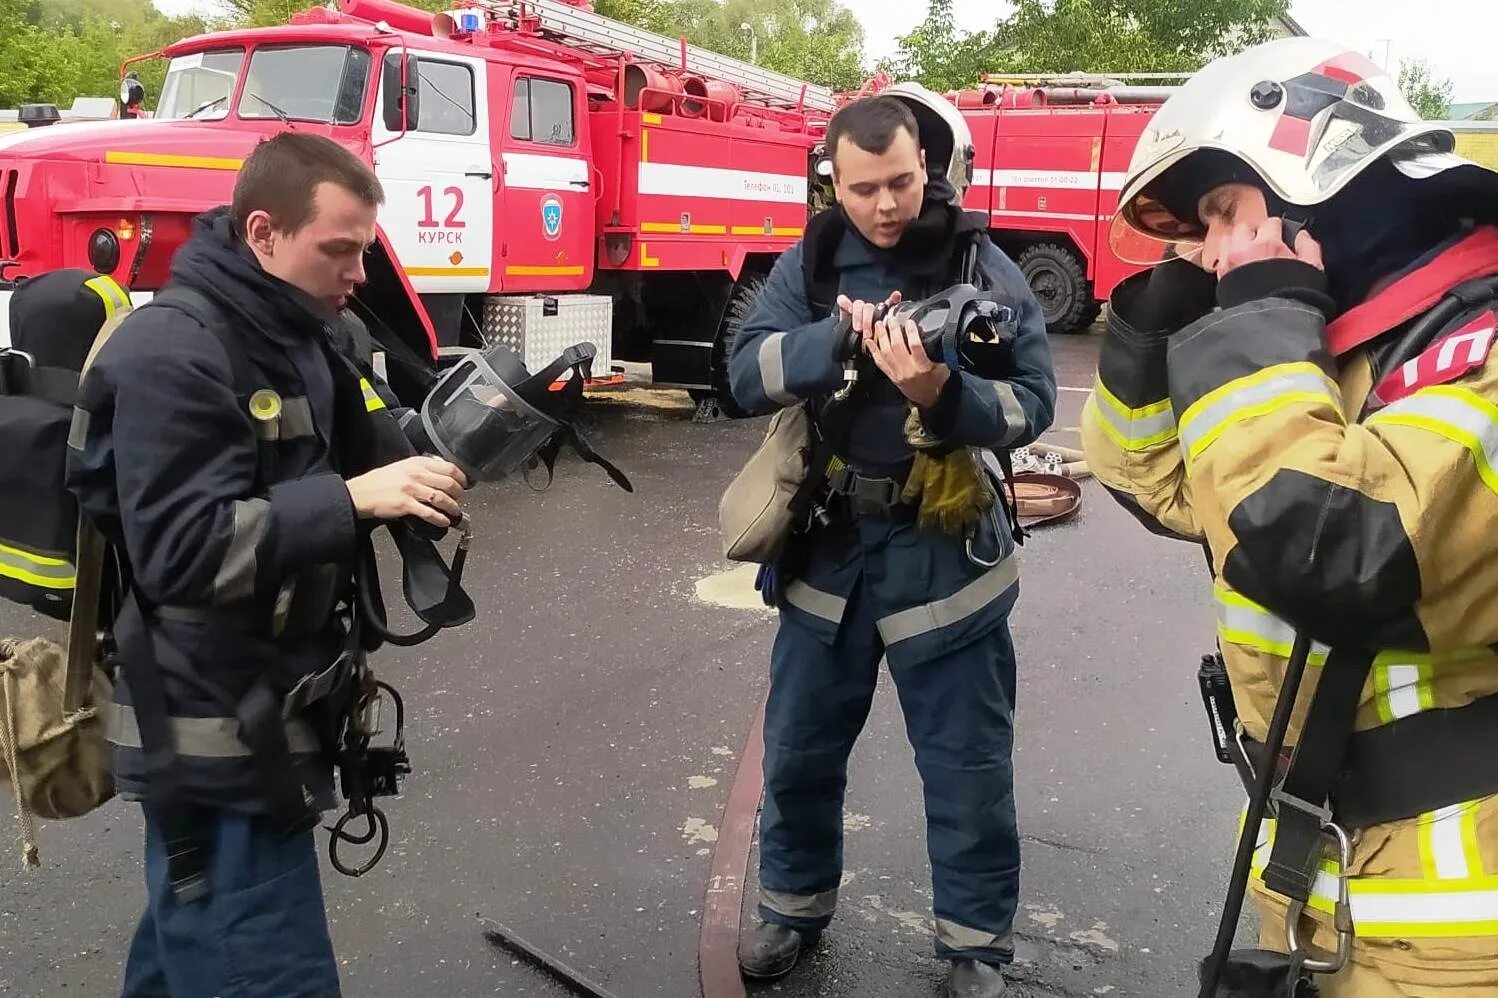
872, 124
280, 177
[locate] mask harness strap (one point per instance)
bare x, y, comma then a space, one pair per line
560, 404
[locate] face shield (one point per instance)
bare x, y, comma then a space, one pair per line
491, 417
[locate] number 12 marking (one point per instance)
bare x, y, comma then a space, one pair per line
428, 221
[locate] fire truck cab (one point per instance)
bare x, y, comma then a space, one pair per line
550, 175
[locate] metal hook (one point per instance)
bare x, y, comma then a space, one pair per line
1342, 916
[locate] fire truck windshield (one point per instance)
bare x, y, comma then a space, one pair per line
322, 83
199, 85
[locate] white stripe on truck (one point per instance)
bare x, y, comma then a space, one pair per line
1075, 180
676, 180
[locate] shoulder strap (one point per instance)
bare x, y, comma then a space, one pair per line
206, 313
1304, 799
823, 233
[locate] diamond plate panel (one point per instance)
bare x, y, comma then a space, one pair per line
521, 323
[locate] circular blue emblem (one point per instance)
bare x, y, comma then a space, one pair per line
551, 216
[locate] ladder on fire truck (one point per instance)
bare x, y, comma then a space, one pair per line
592, 32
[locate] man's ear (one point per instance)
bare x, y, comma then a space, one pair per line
260, 233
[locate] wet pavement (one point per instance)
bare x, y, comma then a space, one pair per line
574, 748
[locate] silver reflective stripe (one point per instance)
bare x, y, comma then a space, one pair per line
37, 570
296, 418
78, 429
1457, 414
800, 905
1206, 418
815, 602
236, 575
962, 937
1013, 412
1132, 429
772, 370
205, 737
959, 606
1240, 621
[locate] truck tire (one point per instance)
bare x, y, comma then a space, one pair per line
1059, 281
745, 294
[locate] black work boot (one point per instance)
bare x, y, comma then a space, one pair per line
770, 950
975, 979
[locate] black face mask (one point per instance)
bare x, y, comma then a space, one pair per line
1378, 225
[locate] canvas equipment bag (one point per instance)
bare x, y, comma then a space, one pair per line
756, 515
54, 752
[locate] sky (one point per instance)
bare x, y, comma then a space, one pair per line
1457, 37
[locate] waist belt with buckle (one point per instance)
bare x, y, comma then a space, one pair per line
869, 496
1416, 764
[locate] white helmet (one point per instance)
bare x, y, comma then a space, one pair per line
944, 135
1305, 114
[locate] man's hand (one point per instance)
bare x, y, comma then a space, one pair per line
1248, 244
427, 487
898, 351
862, 312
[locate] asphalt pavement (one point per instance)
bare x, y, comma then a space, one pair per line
574, 748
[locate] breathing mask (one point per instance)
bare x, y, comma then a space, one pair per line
957, 325
491, 417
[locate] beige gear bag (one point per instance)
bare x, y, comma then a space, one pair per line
54, 751
754, 515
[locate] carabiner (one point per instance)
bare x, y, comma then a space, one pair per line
1342, 915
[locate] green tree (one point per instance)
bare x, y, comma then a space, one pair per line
940, 56
815, 40
62, 49
1061, 36
1431, 97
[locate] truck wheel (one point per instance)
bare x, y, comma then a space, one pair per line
745, 293
1059, 281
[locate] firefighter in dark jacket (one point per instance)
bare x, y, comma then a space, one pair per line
238, 517
1319, 409
891, 574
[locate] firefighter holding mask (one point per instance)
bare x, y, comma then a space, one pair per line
1304, 384
910, 560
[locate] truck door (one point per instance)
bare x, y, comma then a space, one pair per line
547, 240
439, 179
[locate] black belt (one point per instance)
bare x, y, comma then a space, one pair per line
1408, 767
865, 496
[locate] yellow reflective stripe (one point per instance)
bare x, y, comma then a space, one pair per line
1255, 395
1448, 843
1402, 688
372, 400
1132, 429
38, 570
109, 292
1457, 414
1241, 621
1405, 907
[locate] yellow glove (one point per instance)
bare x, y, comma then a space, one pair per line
952, 490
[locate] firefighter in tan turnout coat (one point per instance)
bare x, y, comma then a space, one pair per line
1305, 384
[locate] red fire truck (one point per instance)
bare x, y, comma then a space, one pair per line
551, 175
547, 179
1051, 158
